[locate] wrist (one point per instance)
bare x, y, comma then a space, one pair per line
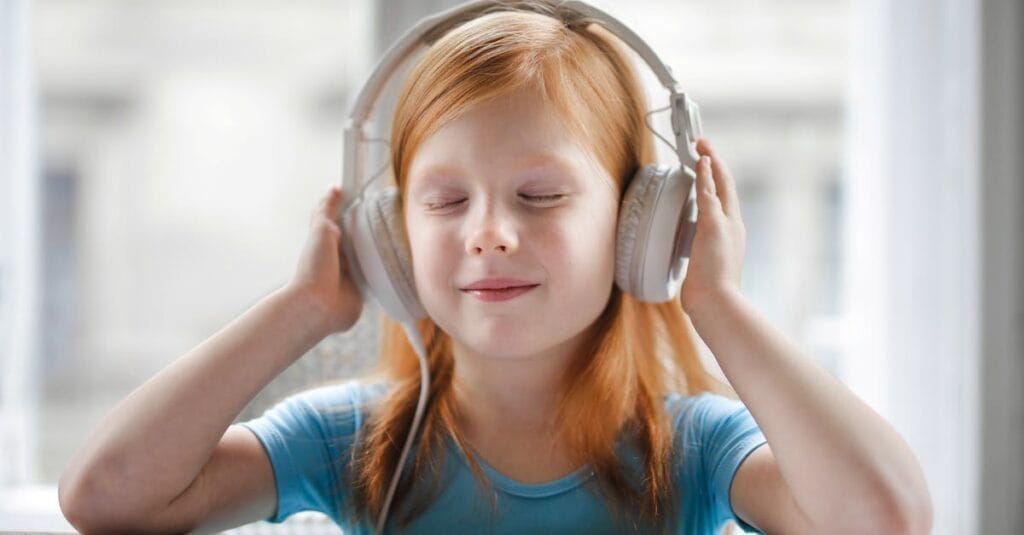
306, 310
709, 302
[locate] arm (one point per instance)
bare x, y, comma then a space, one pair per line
163, 458
831, 462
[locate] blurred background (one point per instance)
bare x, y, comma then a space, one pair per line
159, 161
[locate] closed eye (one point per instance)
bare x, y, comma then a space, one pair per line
543, 198
536, 199
443, 205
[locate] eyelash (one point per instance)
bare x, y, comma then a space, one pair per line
544, 198
531, 198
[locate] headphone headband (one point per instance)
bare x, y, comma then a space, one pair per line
685, 118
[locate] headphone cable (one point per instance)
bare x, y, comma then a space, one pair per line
417, 342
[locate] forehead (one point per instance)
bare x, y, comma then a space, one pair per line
541, 163
517, 132
571, 167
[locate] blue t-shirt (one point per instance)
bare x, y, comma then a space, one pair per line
308, 438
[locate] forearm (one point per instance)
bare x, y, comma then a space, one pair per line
152, 444
839, 458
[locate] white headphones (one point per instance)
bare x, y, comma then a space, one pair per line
657, 216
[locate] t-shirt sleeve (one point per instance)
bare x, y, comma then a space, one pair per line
723, 434
308, 438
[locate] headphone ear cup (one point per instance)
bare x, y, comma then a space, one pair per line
389, 230
657, 219
376, 233
631, 211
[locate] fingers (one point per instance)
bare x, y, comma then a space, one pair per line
333, 200
707, 195
332, 197
328, 205
722, 183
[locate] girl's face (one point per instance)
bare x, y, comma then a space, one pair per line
503, 192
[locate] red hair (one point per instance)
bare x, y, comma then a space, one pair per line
642, 352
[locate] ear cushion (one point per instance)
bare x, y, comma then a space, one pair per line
652, 243
631, 214
377, 253
388, 230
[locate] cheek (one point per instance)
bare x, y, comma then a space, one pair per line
583, 246
599, 225
432, 256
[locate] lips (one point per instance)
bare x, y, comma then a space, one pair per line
499, 284
499, 289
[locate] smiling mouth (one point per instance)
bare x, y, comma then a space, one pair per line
500, 294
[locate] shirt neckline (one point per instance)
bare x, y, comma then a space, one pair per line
518, 488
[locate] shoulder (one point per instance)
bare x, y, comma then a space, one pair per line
328, 411
705, 411
717, 430
713, 435
308, 438
348, 395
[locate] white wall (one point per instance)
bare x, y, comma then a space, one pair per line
935, 228
19, 286
911, 228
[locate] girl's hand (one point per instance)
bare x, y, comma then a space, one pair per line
322, 273
716, 256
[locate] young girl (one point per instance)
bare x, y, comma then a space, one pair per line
562, 405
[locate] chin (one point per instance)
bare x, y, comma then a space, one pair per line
497, 347
505, 344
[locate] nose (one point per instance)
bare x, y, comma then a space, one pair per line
492, 235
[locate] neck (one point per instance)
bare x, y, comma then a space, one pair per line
511, 395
